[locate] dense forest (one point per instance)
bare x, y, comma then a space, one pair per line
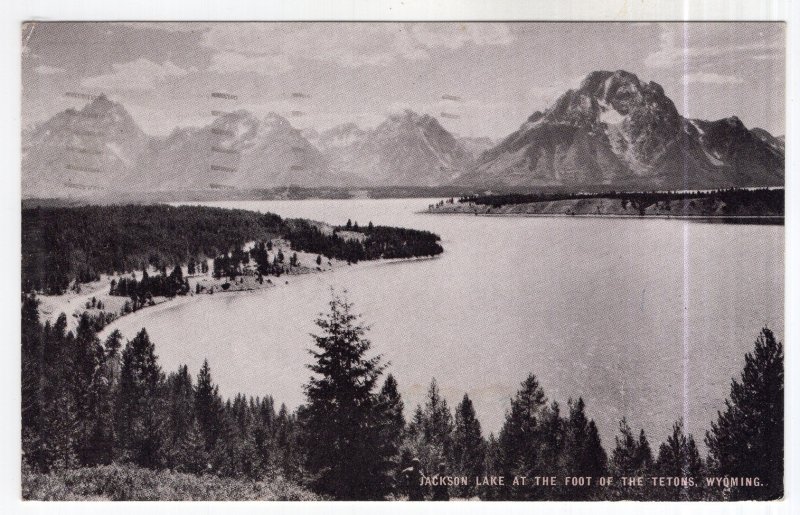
62, 245
771, 200
93, 411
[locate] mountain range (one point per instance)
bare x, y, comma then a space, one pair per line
613, 131
620, 132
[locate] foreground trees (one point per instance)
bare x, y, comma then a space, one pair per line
87, 402
747, 438
343, 418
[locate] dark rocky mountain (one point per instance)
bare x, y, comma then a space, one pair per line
620, 132
777, 142
408, 149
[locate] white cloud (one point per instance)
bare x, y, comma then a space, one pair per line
43, 69
456, 35
230, 62
711, 78
349, 45
141, 74
678, 49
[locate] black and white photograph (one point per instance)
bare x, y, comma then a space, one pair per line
402, 260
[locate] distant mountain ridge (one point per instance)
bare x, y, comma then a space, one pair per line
101, 148
614, 131
406, 149
72, 151
618, 131
240, 150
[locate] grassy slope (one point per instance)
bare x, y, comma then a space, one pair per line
130, 483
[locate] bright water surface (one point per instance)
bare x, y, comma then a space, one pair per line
645, 318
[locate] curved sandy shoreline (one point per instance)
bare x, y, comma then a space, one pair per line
286, 280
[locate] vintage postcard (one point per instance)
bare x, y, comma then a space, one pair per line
429, 261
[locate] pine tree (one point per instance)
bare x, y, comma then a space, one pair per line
431, 431
469, 448
341, 420
32, 381
552, 438
747, 440
494, 466
390, 435
520, 440
139, 405
584, 453
631, 457
644, 454
678, 457
208, 407
32, 365
87, 391
289, 455
180, 420
56, 442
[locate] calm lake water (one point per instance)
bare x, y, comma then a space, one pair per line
647, 319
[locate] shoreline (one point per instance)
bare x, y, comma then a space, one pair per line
609, 215
183, 299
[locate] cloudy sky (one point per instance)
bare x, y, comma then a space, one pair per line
486, 78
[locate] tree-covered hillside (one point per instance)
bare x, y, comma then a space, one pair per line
61, 245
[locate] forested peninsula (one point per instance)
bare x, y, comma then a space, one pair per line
763, 204
64, 247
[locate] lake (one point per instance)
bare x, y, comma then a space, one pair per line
645, 318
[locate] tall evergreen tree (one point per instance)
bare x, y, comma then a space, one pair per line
290, 457
494, 467
431, 430
631, 456
208, 407
180, 419
469, 448
584, 453
341, 420
58, 427
139, 403
32, 363
390, 435
88, 390
747, 440
678, 457
520, 438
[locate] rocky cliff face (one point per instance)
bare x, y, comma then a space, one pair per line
618, 131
